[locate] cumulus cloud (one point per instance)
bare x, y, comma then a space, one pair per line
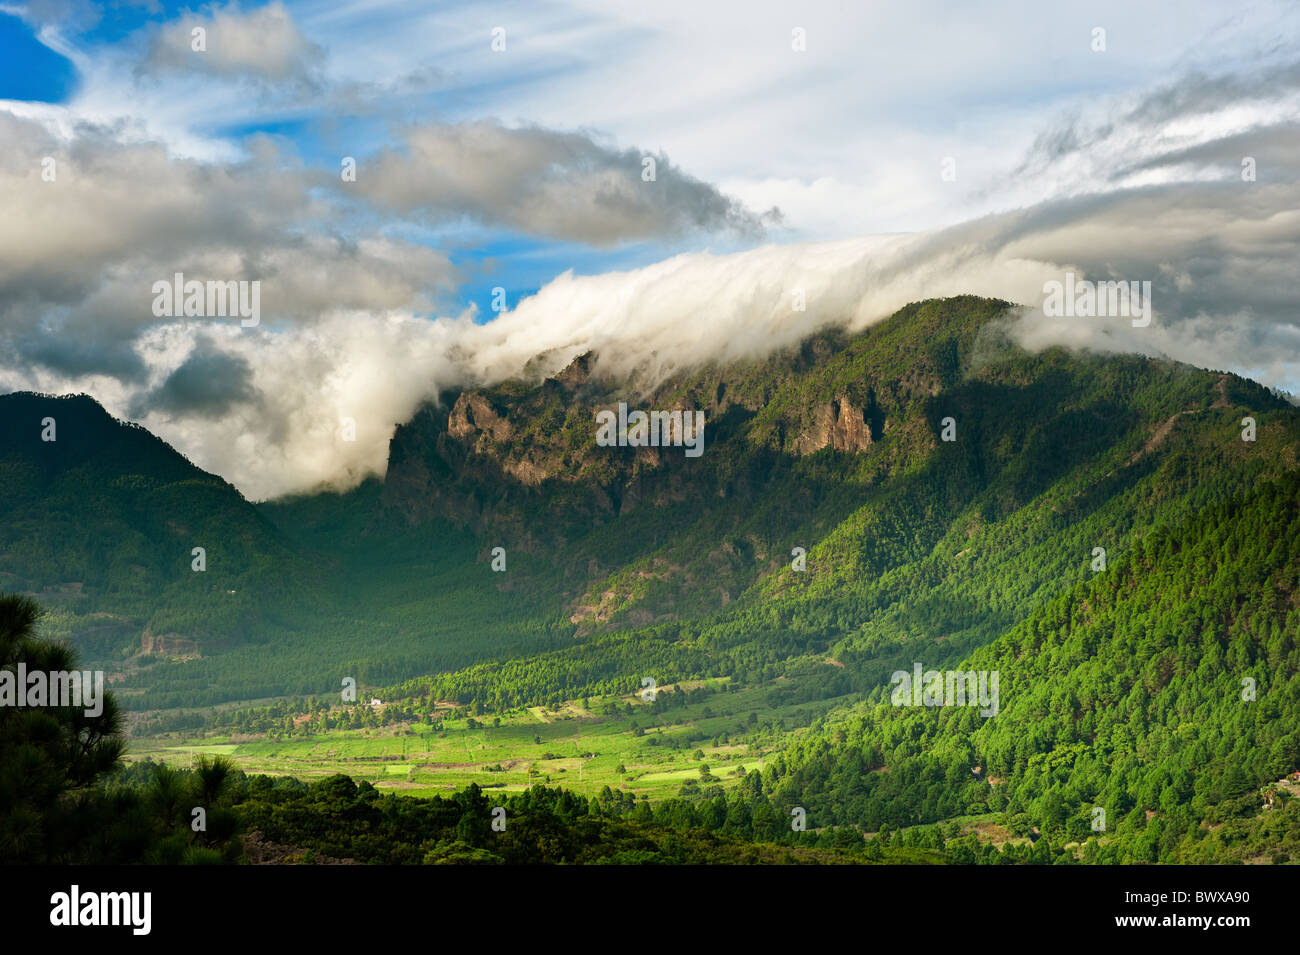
544, 182
262, 44
284, 429
80, 252
207, 385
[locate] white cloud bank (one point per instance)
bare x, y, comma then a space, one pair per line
1222, 260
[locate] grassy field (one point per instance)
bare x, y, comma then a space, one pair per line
568, 746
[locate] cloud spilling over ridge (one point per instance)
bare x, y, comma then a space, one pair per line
1221, 257
648, 324
1150, 189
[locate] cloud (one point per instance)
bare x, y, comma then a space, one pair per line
79, 253
207, 385
540, 181
262, 44
1221, 256
1138, 186
280, 427
1198, 126
73, 14
1197, 92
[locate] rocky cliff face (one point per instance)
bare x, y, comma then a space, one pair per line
523, 455
519, 463
840, 425
474, 456
472, 417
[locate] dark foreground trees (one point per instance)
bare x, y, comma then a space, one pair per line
60, 798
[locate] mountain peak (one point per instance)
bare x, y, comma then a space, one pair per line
578, 371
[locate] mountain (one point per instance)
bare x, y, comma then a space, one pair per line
1113, 536
1164, 693
837, 448
99, 521
625, 560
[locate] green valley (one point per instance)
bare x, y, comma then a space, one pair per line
1092, 527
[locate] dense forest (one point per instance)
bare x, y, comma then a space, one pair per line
1102, 531
617, 565
1165, 691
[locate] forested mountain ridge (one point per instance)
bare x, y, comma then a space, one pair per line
835, 447
479, 451
623, 561
1164, 693
1056, 458
100, 520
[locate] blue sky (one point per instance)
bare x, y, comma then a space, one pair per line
487, 258
30, 70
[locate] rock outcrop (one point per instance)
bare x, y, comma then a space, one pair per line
169, 645
838, 424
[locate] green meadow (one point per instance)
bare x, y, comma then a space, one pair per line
643, 753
